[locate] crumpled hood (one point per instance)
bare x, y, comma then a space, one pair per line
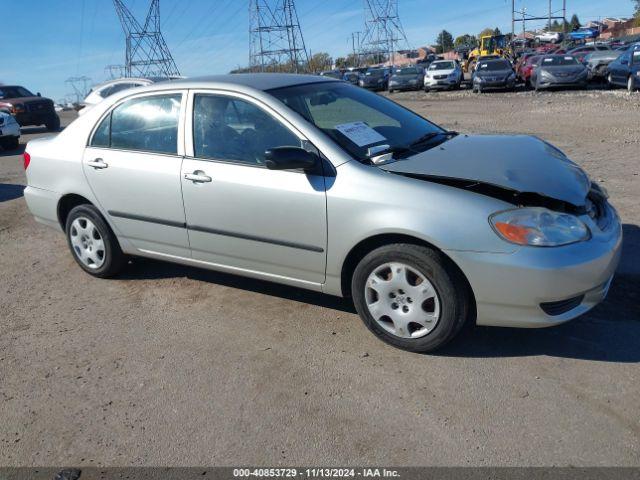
521, 163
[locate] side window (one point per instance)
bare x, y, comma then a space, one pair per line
102, 133
147, 124
226, 128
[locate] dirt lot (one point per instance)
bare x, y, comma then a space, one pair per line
170, 365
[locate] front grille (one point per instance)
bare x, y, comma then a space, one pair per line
440, 77
37, 107
563, 306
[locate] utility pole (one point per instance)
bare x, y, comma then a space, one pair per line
276, 40
525, 17
147, 53
383, 30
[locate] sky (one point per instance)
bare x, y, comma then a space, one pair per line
45, 42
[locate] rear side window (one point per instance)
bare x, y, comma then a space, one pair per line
147, 124
103, 132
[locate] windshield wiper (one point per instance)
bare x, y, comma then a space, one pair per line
431, 135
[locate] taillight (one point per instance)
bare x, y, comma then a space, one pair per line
27, 159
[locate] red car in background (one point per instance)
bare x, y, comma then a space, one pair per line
524, 69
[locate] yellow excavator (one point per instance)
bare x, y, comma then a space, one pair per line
489, 45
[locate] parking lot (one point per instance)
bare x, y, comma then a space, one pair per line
170, 365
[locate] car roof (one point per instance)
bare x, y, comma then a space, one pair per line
257, 81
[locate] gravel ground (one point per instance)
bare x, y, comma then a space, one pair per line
170, 365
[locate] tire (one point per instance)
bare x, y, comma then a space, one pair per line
53, 124
631, 84
10, 143
445, 299
85, 226
610, 80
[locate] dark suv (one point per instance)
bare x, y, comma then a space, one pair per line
27, 108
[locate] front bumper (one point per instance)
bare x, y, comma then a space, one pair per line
551, 82
39, 118
517, 284
404, 86
486, 85
442, 83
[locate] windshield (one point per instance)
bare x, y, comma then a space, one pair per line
493, 66
559, 61
374, 73
407, 71
14, 92
442, 66
357, 119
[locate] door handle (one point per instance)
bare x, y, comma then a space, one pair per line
197, 177
98, 163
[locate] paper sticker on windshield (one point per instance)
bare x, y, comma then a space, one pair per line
548, 60
360, 133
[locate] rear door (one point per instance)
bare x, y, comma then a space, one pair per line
260, 222
133, 165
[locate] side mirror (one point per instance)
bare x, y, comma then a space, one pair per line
38, 94
290, 158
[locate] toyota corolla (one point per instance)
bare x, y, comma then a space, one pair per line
315, 183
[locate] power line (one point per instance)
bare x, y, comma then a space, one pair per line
147, 53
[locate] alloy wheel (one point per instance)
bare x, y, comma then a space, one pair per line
402, 300
87, 243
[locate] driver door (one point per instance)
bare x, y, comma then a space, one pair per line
240, 215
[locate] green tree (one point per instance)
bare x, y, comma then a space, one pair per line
574, 23
497, 32
486, 32
466, 40
444, 42
319, 62
637, 13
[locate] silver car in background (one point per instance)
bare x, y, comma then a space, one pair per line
559, 71
315, 183
443, 74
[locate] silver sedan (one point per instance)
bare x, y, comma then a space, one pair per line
315, 183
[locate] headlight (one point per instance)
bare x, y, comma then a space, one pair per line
638, 73
539, 227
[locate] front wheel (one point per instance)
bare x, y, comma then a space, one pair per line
410, 297
631, 84
93, 245
53, 123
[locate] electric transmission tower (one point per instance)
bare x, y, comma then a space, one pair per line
80, 85
383, 32
276, 41
147, 54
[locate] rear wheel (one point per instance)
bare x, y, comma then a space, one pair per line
610, 80
93, 245
410, 297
